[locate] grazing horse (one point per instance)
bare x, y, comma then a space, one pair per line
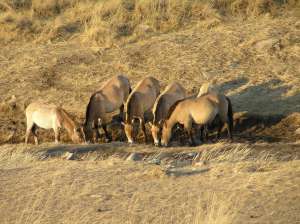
172, 93
201, 110
51, 116
111, 97
140, 100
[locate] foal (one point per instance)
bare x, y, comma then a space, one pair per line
51, 117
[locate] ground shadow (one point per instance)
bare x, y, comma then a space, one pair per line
60, 150
177, 172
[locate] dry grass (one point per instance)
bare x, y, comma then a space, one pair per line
105, 21
114, 191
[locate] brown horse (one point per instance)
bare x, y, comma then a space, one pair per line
140, 100
201, 110
172, 93
51, 116
110, 98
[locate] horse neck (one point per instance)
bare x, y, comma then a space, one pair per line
67, 122
92, 108
171, 121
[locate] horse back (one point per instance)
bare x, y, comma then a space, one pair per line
144, 94
203, 110
116, 90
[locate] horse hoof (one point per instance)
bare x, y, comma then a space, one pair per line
192, 144
107, 140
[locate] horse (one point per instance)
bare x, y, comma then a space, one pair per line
110, 98
202, 111
140, 100
172, 93
51, 116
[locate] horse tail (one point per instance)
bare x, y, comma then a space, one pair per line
87, 112
230, 114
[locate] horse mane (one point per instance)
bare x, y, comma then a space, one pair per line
128, 106
173, 107
158, 107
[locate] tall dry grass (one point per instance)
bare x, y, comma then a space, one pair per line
105, 21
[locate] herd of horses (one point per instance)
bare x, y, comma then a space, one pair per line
170, 107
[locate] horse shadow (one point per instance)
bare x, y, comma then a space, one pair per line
178, 172
262, 107
78, 149
260, 112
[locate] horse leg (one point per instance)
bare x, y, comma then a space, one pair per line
203, 133
121, 114
107, 136
229, 130
96, 130
220, 126
28, 130
191, 137
142, 122
34, 132
188, 127
56, 135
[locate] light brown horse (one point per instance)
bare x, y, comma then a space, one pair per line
201, 110
140, 100
172, 93
110, 98
51, 116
